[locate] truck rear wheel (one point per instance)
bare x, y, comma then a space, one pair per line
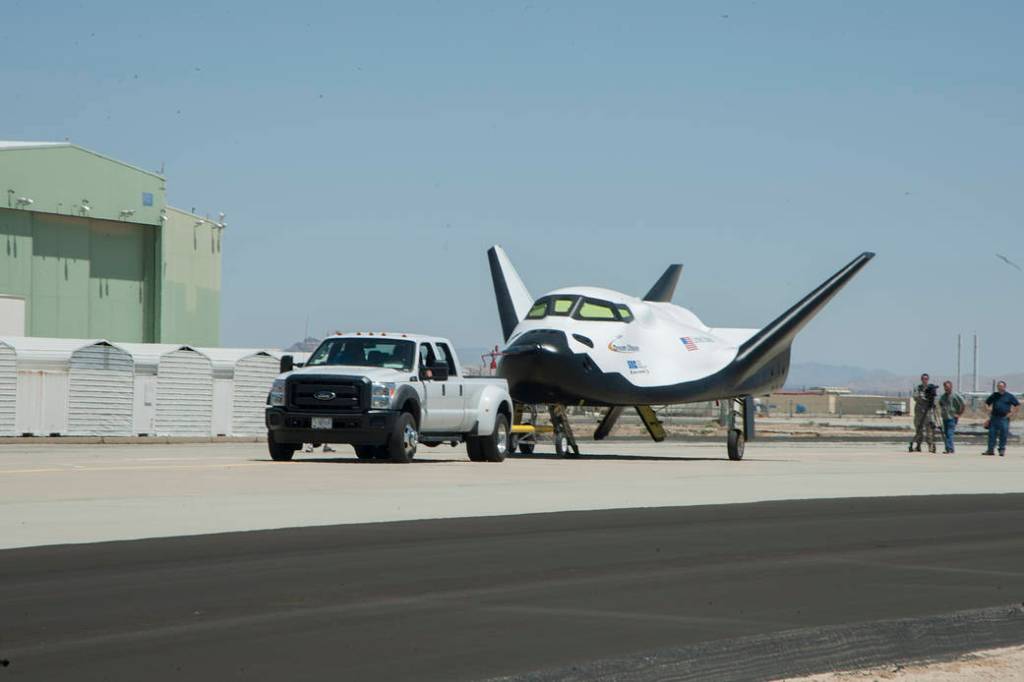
280, 452
473, 449
494, 447
367, 451
404, 438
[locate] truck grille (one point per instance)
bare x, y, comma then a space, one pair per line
341, 394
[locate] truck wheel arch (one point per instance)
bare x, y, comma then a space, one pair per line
408, 401
492, 403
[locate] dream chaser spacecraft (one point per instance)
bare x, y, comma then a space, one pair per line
591, 346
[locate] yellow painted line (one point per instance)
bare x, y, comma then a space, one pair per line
31, 471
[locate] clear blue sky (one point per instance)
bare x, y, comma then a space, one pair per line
367, 154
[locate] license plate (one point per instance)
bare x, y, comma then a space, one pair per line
323, 422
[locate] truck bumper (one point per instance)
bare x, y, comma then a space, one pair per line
361, 428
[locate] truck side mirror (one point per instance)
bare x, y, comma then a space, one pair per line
287, 363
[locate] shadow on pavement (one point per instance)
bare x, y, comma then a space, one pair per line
353, 460
643, 458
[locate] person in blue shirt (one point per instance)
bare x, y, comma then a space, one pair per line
1002, 405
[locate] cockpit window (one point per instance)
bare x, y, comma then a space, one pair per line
624, 312
539, 310
592, 309
562, 305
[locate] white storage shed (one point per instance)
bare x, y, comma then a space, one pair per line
241, 381
8, 389
73, 387
173, 390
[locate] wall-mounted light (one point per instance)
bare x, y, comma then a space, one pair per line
22, 202
126, 213
200, 223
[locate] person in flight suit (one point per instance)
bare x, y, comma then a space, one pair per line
924, 415
1002, 405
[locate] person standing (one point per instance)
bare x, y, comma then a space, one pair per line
1002, 405
951, 405
924, 415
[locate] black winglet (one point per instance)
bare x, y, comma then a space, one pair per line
778, 334
665, 287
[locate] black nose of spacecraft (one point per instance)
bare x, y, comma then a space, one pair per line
540, 368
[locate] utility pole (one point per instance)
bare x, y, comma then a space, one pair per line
975, 363
958, 348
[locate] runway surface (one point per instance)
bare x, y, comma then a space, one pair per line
479, 597
87, 493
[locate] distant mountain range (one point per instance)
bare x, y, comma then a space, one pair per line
804, 375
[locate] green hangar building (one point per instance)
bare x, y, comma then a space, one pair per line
89, 248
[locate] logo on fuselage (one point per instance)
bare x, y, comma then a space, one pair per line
325, 395
637, 367
617, 345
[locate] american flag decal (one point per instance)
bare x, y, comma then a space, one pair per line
688, 342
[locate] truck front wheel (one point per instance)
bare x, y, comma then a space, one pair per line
280, 452
404, 438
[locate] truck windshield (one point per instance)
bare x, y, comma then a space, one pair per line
365, 352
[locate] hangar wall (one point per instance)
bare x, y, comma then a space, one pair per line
90, 248
80, 277
190, 285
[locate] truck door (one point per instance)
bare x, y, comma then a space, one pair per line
440, 413
456, 386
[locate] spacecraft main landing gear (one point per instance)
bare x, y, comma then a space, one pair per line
740, 425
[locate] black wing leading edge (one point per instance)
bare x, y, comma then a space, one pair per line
778, 335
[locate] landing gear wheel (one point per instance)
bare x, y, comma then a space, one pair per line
736, 443
494, 447
367, 451
280, 452
562, 447
404, 438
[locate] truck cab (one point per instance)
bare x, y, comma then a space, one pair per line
385, 394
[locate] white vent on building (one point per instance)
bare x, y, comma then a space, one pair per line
100, 391
8, 389
242, 379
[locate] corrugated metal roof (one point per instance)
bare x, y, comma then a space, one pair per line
34, 351
225, 359
147, 355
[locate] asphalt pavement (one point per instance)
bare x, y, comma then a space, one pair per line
474, 598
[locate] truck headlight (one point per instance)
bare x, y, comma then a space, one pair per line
276, 398
381, 395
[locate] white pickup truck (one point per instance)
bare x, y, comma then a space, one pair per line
385, 394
